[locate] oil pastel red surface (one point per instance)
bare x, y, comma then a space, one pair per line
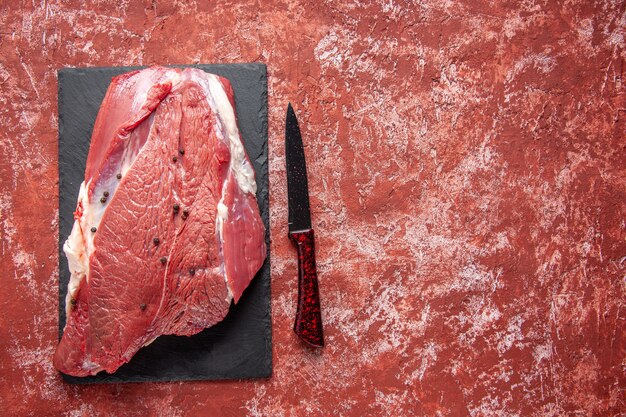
467, 177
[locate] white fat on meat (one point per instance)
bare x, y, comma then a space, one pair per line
227, 132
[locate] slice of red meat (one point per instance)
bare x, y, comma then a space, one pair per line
167, 230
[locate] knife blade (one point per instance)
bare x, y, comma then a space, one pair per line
308, 322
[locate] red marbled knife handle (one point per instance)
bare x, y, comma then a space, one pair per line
308, 323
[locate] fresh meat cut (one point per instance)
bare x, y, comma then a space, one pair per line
167, 229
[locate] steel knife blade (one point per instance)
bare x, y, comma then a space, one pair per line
308, 322
297, 184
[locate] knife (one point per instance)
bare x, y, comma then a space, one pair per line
308, 324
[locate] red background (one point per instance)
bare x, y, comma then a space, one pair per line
467, 179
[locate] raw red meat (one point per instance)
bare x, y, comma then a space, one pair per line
167, 228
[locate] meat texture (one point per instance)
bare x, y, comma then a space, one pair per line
167, 229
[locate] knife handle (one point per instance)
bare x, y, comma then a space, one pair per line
308, 323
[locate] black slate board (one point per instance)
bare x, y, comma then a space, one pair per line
241, 345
